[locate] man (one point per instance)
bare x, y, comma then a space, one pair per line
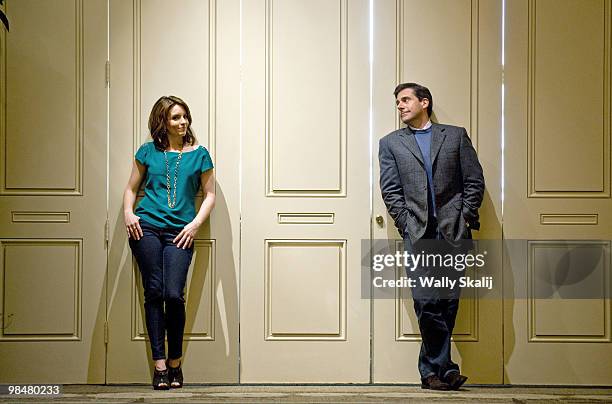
432, 185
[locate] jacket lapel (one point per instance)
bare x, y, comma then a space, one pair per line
437, 137
410, 141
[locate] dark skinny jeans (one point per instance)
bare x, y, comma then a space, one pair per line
164, 268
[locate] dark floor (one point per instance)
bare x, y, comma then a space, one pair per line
320, 394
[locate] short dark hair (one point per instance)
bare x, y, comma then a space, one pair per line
420, 92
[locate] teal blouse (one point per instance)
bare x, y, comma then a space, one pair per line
153, 208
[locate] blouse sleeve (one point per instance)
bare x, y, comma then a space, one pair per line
142, 154
206, 163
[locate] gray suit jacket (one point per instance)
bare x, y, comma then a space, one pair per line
457, 176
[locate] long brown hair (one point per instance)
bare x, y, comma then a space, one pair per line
158, 121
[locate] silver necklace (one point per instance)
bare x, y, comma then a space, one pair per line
172, 204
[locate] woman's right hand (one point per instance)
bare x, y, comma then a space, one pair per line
132, 225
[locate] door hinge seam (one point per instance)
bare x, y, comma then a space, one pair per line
107, 73
106, 231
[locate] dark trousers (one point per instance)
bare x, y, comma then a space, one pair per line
436, 311
163, 268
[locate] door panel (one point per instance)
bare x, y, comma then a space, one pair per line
198, 62
557, 201
52, 193
459, 61
304, 191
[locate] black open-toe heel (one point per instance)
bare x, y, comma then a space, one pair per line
160, 379
175, 375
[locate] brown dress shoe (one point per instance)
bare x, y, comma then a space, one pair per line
455, 380
433, 382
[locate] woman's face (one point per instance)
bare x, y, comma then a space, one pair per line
177, 122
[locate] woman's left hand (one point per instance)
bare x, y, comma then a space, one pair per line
185, 238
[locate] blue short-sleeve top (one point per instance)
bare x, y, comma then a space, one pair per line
153, 208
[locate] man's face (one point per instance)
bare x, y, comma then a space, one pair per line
409, 106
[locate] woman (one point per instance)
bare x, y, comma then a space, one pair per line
162, 229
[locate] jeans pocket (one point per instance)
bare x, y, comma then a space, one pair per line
146, 225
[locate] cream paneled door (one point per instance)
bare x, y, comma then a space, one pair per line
52, 194
305, 191
558, 211
454, 48
189, 49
